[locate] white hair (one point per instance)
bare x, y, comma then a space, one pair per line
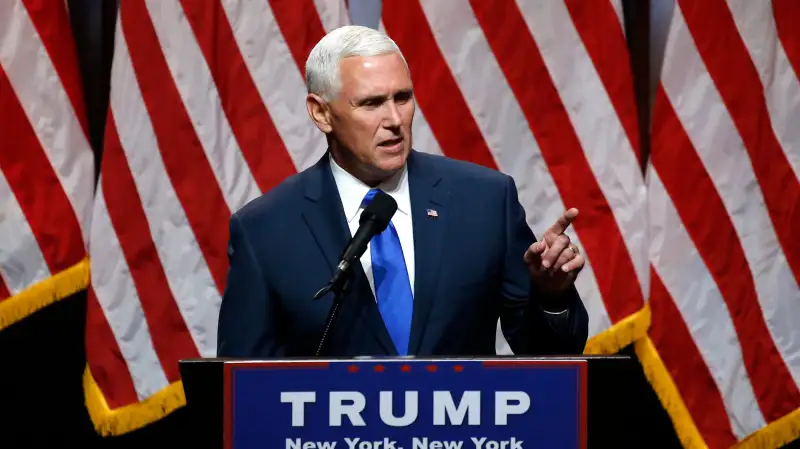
322, 65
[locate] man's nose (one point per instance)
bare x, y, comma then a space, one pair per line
392, 118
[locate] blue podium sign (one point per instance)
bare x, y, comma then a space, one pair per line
406, 404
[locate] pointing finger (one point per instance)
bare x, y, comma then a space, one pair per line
563, 222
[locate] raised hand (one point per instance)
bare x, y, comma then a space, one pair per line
554, 262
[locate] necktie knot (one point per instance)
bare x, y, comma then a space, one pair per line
368, 197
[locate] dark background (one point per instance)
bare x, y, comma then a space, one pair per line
43, 357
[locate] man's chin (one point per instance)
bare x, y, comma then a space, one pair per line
393, 162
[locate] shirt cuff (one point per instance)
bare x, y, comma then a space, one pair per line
555, 313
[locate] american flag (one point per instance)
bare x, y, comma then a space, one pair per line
207, 112
46, 163
724, 207
695, 262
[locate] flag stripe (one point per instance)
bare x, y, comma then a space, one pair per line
262, 147
300, 25
694, 292
22, 263
601, 137
677, 348
422, 135
51, 20
721, 48
279, 82
436, 92
35, 185
182, 153
179, 255
722, 152
710, 227
601, 32
131, 306
786, 14
4, 292
332, 13
756, 25
58, 133
523, 66
488, 96
103, 355
128, 217
187, 67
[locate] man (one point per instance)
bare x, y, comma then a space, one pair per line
457, 254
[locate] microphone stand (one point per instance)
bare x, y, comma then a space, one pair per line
338, 289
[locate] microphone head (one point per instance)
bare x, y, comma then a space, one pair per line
380, 210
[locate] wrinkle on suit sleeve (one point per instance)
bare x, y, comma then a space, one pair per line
528, 329
247, 326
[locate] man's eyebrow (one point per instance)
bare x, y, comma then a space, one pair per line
381, 98
370, 99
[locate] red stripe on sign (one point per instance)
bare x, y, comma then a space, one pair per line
51, 20
527, 74
601, 33
735, 76
261, 145
435, 88
108, 367
707, 222
787, 21
35, 185
4, 291
170, 335
686, 366
184, 158
300, 25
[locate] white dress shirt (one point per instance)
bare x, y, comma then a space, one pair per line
352, 192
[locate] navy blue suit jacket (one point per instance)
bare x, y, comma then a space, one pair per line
285, 244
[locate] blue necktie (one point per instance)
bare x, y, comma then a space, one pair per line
392, 286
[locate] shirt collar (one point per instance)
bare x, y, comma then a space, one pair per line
352, 190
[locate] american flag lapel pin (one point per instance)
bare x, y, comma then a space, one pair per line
433, 213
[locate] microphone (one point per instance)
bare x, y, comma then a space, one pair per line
374, 219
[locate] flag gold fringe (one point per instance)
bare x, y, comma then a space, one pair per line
625, 332
108, 422
775, 435
662, 383
44, 293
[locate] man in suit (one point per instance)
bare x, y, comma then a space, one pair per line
457, 255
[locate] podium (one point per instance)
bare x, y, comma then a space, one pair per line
409, 403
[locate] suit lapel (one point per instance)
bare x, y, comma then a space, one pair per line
323, 212
429, 216
324, 216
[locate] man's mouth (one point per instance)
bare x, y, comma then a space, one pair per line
391, 142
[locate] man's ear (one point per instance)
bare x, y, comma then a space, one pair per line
319, 112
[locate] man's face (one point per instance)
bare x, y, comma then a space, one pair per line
372, 115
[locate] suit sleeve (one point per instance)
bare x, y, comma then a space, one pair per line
534, 322
247, 327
